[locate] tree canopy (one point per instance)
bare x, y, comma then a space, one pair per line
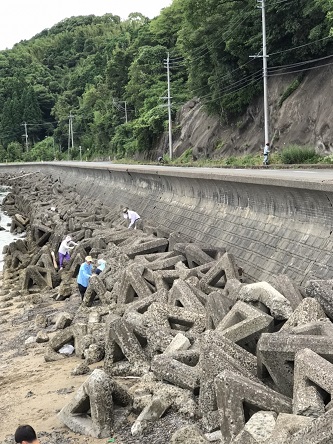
110, 74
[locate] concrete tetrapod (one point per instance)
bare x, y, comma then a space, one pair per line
313, 379
217, 353
235, 394
94, 395
276, 353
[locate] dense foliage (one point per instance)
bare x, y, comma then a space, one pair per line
110, 74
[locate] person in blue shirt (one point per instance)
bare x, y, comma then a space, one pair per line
84, 275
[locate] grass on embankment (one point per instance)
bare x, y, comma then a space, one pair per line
292, 155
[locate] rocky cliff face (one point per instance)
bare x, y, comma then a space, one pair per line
305, 118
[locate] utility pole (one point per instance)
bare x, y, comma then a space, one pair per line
125, 103
264, 69
70, 133
120, 108
26, 135
169, 107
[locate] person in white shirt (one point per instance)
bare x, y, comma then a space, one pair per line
266, 153
66, 245
132, 216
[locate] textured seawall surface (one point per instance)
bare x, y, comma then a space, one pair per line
271, 226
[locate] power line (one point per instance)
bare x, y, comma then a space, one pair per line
256, 75
219, 40
254, 81
279, 67
300, 70
300, 46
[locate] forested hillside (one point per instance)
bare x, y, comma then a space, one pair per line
100, 83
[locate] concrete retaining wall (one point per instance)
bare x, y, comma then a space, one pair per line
270, 227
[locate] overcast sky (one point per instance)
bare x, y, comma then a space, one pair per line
22, 19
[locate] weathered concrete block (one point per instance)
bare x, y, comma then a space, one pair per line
166, 317
96, 288
164, 279
133, 285
309, 310
284, 285
286, 425
51, 356
42, 336
319, 431
123, 345
217, 306
80, 369
312, 373
80, 331
35, 276
218, 275
95, 397
258, 429
119, 235
322, 291
276, 353
62, 337
146, 246
40, 320
95, 353
19, 260
245, 323
63, 320
263, 292
134, 313
176, 237
179, 342
218, 353
188, 435
235, 394
197, 256
322, 327
179, 368
152, 412
181, 295
158, 339
40, 234
160, 261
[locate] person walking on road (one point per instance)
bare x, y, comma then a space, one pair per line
133, 217
65, 247
84, 275
266, 154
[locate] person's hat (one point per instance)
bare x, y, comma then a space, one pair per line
125, 210
88, 259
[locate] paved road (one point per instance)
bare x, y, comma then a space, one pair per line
300, 177
311, 175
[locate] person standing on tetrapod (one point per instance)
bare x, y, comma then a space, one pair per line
133, 217
84, 275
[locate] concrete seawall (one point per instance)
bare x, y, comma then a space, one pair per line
271, 226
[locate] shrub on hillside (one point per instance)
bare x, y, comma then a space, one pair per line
297, 154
